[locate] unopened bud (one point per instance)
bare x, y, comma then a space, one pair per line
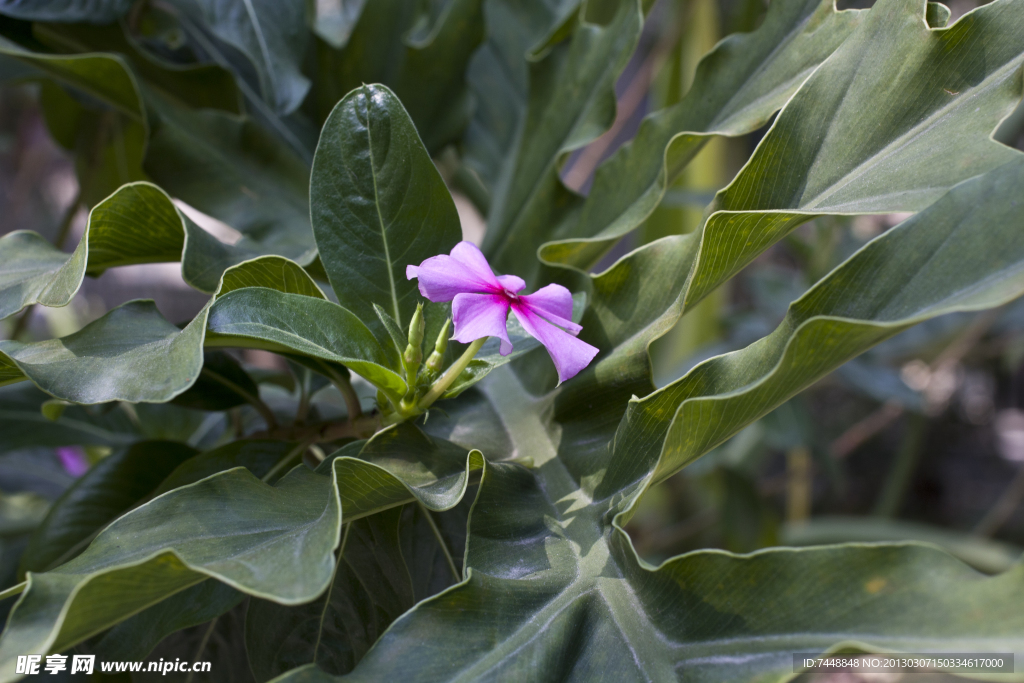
436, 359
413, 355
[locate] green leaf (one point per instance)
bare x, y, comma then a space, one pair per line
378, 205
198, 85
737, 87
498, 77
94, 11
257, 456
271, 34
261, 318
221, 384
137, 224
420, 52
958, 255
107, 490
235, 171
23, 423
130, 354
870, 131
571, 102
371, 587
135, 638
271, 542
545, 563
984, 554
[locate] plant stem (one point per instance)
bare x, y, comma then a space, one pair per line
65, 222
202, 646
440, 541
262, 408
284, 462
450, 375
898, 479
344, 387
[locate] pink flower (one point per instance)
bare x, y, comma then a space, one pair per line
480, 303
73, 459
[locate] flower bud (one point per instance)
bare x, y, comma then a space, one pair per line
413, 355
436, 358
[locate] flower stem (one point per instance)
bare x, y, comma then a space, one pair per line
450, 375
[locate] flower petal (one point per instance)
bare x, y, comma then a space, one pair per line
511, 283
554, 304
569, 354
465, 270
481, 315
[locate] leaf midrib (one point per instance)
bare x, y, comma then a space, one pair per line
380, 218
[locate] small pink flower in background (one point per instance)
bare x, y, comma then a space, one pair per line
481, 301
73, 459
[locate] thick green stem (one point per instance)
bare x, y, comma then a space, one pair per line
450, 375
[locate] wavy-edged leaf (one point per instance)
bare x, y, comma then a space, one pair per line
379, 205
257, 317
92, 11
272, 34
737, 87
498, 76
961, 254
553, 585
256, 455
23, 423
108, 489
130, 354
571, 102
272, 542
371, 587
135, 638
870, 131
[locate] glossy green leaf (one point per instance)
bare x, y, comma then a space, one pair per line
257, 456
420, 51
371, 587
499, 77
93, 11
545, 563
870, 130
571, 102
135, 638
107, 490
379, 205
257, 317
270, 33
272, 542
736, 89
23, 423
130, 354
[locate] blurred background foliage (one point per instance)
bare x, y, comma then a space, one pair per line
922, 438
